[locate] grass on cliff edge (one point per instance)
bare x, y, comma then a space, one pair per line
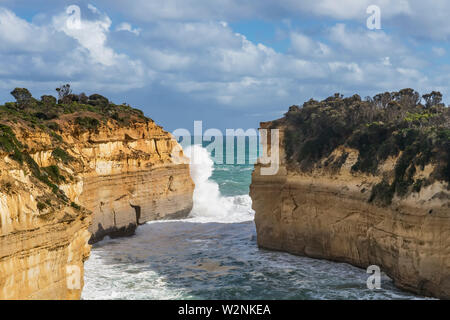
46, 114
404, 124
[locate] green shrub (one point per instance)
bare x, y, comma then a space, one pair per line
378, 128
98, 100
382, 193
116, 117
62, 155
46, 115
76, 206
10, 144
6, 143
54, 174
48, 100
87, 123
56, 136
291, 136
53, 126
30, 114
417, 186
22, 96
43, 176
8, 140
41, 206
17, 156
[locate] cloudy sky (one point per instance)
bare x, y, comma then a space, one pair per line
230, 63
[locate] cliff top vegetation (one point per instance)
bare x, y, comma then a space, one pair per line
413, 129
86, 113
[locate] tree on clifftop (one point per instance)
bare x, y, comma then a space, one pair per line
432, 99
22, 96
63, 93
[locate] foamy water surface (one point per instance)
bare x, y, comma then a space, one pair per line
214, 255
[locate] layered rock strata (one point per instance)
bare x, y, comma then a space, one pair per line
327, 214
111, 178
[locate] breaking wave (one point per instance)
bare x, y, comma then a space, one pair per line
209, 204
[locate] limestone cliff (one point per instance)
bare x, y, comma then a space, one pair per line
130, 176
90, 170
326, 207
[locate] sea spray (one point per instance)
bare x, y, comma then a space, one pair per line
209, 204
191, 259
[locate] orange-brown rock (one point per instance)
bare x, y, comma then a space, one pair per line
132, 175
327, 215
114, 178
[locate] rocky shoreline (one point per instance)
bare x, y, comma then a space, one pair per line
327, 214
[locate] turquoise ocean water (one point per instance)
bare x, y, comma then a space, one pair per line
214, 255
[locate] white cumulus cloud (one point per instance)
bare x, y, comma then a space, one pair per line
91, 34
125, 26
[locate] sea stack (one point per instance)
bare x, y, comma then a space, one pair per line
364, 182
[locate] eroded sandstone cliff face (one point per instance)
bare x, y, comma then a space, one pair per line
325, 213
131, 175
61, 189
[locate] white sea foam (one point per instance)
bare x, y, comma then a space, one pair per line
189, 259
209, 204
109, 281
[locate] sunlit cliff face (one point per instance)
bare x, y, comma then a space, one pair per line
64, 187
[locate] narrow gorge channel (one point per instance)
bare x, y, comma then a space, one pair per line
213, 254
